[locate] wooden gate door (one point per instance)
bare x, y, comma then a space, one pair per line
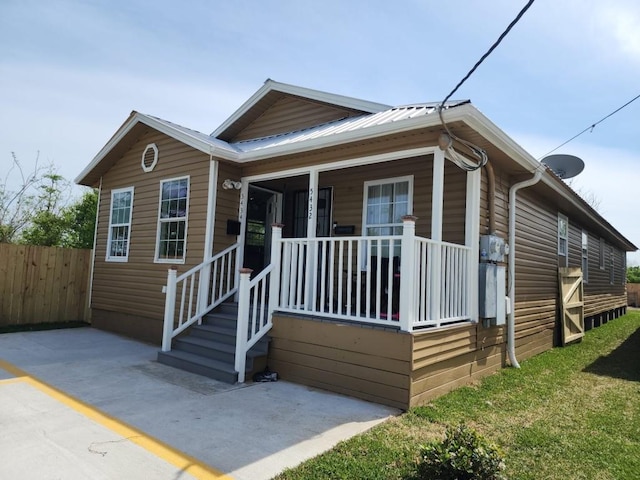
571, 304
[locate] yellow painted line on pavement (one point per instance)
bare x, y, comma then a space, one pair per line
12, 380
185, 462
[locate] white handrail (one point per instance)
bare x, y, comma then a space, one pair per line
254, 318
203, 288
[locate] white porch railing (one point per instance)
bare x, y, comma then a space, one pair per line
400, 280
441, 282
256, 302
196, 292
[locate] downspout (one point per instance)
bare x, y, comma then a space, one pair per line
511, 322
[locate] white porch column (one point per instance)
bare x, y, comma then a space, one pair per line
205, 276
242, 218
408, 272
312, 257
437, 202
472, 239
276, 261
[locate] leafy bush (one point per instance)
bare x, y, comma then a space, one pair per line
633, 274
462, 455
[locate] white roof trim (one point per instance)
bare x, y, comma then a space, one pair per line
325, 97
164, 127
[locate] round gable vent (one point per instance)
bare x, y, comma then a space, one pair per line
149, 157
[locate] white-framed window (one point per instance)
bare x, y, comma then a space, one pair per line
623, 272
171, 244
119, 236
602, 253
563, 236
385, 203
585, 257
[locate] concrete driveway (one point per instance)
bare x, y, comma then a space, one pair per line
82, 403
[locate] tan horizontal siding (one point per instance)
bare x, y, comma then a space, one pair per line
372, 364
436, 346
134, 288
227, 206
290, 114
437, 379
535, 326
454, 204
575, 245
536, 251
534, 344
596, 304
139, 327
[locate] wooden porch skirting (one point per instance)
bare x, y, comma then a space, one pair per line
383, 365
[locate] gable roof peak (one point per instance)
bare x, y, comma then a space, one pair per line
270, 86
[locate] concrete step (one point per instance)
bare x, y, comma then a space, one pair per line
204, 347
209, 349
200, 365
228, 308
214, 332
228, 320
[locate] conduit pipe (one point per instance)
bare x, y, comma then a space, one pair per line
491, 197
511, 322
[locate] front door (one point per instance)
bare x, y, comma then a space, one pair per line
264, 207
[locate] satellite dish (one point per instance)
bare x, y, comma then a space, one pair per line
564, 166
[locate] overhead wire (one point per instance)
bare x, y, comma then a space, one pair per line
592, 126
478, 152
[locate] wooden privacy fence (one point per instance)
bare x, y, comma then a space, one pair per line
43, 284
633, 294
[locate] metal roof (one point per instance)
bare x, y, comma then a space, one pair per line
350, 124
202, 137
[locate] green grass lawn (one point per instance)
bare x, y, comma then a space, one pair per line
569, 413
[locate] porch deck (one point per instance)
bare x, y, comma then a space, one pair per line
403, 282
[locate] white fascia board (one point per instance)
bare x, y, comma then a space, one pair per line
113, 141
330, 98
578, 203
495, 135
191, 140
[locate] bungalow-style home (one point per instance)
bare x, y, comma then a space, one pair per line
388, 253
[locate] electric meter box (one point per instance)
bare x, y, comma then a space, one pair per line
492, 285
493, 248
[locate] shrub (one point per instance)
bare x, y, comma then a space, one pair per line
462, 455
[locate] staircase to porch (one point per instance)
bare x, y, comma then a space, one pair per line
209, 349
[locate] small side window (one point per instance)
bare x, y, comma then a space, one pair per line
120, 225
585, 257
563, 236
612, 271
172, 220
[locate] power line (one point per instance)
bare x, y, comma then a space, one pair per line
488, 52
478, 152
592, 126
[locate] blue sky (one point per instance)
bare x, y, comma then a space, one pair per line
71, 71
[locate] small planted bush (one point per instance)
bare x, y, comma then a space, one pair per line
462, 455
